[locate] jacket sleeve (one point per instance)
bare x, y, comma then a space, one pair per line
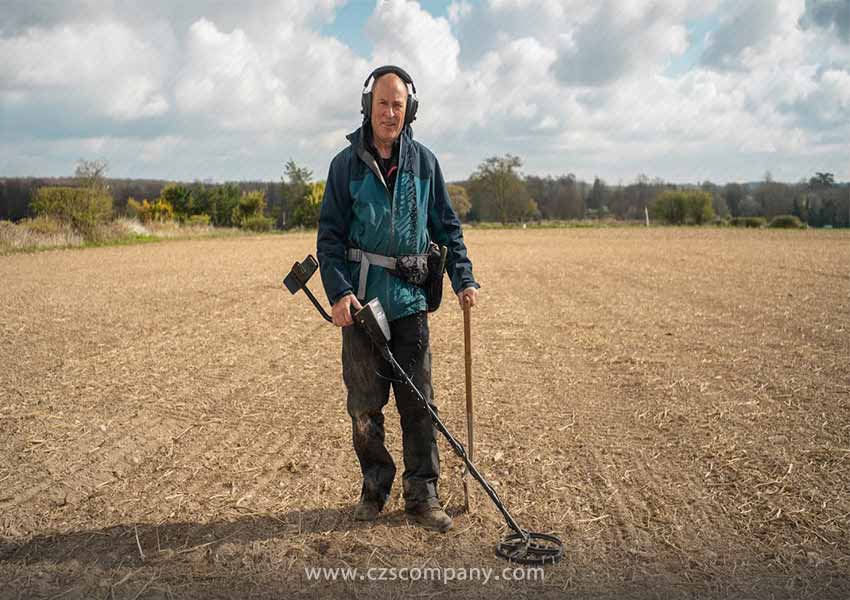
332, 241
445, 228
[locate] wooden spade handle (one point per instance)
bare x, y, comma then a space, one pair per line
467, 348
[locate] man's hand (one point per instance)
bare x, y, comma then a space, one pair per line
469, 295
341, 311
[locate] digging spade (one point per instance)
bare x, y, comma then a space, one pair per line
467, 355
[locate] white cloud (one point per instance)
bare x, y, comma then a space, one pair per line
106, 67
222, 90
619, 40
227, 79
404, 33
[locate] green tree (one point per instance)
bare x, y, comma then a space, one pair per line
828, 203
305, 212
249, 205
734, 193
296, 184
180, 199
598, 198
498, 193
459, 199
225, 199
822, 180
203, 200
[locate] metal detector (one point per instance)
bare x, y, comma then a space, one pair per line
521, 546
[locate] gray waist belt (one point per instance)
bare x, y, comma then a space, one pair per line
366, 259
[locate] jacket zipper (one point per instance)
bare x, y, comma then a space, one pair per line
392, 206
372, 163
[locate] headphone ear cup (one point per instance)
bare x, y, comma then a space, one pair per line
410, 112
366, 105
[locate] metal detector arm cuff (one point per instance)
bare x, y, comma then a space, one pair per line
332, 239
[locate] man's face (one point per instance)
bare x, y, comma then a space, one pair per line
389, 101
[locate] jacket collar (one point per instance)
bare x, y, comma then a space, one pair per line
357, 138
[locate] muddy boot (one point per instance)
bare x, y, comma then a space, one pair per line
429, 516
367, 510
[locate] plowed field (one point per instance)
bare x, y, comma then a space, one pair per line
673, 403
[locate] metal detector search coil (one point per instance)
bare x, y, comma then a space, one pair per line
521, 546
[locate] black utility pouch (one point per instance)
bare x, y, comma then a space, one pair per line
412, 268
436, 268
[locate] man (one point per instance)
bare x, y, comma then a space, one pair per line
385, 198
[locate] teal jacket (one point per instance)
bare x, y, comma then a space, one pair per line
358, 212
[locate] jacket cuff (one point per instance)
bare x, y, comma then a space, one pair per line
336, 298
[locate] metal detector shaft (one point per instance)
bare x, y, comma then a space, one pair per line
318, 306
456, 445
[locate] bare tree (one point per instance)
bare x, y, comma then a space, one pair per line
91, 173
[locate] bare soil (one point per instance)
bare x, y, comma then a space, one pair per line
673, 403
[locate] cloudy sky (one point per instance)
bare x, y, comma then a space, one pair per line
685, 90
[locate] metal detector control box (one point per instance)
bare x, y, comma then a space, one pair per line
373, 320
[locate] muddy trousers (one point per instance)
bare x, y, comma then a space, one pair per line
368, 378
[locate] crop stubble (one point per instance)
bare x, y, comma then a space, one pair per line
674, 403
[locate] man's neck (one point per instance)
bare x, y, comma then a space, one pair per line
384, 150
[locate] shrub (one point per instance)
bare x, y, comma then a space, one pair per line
133, 209
83, 208
786, 222
159, 211
305, 213
257, 222
108, 232
754, 222
198, 221
679, 207
44, 225
250, 204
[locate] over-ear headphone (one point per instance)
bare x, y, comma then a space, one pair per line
366, 97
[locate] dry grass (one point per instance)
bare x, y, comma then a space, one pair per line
672, 402
172, 230
37, 234
44, 233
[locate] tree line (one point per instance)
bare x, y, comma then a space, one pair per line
497, 191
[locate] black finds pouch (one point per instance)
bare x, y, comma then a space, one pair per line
426, 271
413, 268
436, 268
423, 270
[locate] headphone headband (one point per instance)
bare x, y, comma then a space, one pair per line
390, 69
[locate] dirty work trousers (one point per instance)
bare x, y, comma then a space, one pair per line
368, 378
